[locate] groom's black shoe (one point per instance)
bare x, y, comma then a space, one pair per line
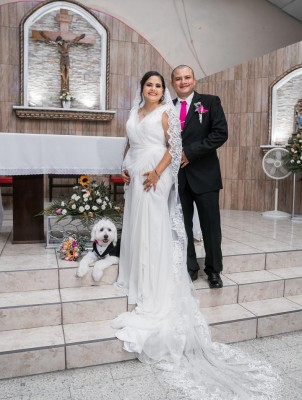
215, 281
193, 274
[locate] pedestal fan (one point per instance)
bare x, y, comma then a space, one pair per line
273, 165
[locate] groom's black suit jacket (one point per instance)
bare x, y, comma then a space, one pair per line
200, 141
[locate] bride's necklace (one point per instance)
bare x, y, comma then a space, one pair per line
146, 112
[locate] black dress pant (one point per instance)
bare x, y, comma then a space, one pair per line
209, 216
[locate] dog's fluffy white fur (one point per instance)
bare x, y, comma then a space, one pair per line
103, 234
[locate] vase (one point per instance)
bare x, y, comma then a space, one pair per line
66, 103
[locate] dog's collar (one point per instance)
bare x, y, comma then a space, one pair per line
105, 252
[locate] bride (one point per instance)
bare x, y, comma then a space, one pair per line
166, 326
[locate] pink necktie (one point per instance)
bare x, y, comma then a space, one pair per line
183, 113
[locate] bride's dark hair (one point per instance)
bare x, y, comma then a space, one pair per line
146, 77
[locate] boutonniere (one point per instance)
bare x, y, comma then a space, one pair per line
200, 109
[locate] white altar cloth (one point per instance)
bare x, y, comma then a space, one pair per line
31, 154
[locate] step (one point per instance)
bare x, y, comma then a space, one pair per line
257, 285
93, 343
91, 304
276, 315
28, 278
248, 320
253, 260
21, 310
31, 351
230, 323
245, 287
68, 278
292, 278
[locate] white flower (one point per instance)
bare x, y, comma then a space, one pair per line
106, 198
103, 207
64, 212
62, 203
73, 206
94, 208
85, 195
99, 201
97, 193
74, 196
110, 205
298, 162
85, 199
104, 203
292, 161
77, 198
81, 209
87, 207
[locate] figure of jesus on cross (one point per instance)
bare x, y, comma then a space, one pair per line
63, 40
63, 46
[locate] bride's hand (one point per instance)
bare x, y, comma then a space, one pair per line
125, 176
151, 180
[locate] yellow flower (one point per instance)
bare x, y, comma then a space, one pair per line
70, 253
84, 180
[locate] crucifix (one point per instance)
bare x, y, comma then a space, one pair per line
63, 39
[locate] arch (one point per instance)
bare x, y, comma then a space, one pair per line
41, 11
284, 93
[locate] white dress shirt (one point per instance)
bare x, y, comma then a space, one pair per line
188, 100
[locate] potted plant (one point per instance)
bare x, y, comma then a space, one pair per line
66, 98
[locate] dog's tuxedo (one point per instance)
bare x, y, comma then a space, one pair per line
103, 251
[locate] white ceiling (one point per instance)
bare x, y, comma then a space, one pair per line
291, 7
209, 35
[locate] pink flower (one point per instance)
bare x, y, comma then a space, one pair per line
202, 110
58, 211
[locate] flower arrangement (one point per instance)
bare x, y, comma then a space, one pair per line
66, 96
200, 109
293, 160
89, 202
71, 247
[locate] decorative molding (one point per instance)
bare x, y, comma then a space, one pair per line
64, 114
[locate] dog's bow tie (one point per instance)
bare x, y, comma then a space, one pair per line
105, 252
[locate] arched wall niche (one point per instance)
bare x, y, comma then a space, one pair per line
284, 93
40, 60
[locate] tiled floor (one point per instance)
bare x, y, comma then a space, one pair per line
243, 233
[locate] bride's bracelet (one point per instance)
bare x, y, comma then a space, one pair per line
157, 173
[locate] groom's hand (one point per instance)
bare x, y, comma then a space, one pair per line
184, 160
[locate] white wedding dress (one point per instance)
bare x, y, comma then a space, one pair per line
166, 326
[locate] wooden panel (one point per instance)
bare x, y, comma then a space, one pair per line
28, 196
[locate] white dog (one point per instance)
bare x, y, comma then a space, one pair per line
105, 250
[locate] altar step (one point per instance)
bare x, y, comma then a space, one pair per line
52, 320
63, 346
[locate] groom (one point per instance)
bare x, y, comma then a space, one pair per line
204, 130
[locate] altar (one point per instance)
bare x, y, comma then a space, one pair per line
29, 156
